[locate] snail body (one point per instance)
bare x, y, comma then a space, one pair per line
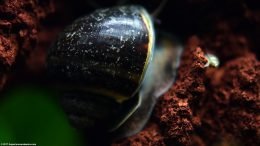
101, 62
160, 76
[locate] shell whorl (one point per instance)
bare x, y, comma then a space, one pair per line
106, 52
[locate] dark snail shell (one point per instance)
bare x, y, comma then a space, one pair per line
106, 52
110, 71
100, 60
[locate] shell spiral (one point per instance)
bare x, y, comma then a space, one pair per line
106, 52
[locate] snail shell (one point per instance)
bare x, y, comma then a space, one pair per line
106, 52
101, 60
110, 71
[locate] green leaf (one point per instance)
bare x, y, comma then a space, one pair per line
31, 115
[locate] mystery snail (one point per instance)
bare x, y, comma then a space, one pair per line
108, 67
